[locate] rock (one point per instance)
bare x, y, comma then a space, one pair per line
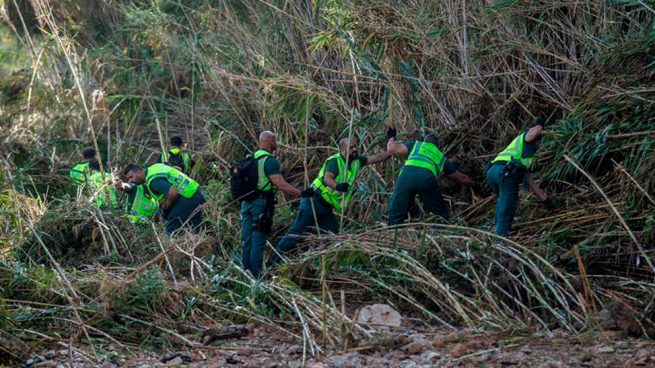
185, 358
552, 364
316, 365
46, 364
244, 352
605, 350
32, 361
379, 315
350, 360
396, 355
418, 345
49, 354
605, 319
376, 361
220, 363
224, 333
415, 347
586, 357
408, 364
438, 343
430, 356
175, 362
459, 350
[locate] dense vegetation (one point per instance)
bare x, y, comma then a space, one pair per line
124, 75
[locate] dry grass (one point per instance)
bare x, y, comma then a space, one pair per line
216, 73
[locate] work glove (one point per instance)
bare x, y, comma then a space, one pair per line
343, 187
391, 133
548, 204
307, 192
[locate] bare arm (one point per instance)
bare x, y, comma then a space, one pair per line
533, 133
170, 199
328, 179
396, 148
284, 186
534, 187
462, 178
378, 157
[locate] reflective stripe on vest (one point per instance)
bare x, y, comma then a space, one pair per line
79, 172
514, 152
263, 181
427, 156
103, 194
184, 185
143, 206
344, 175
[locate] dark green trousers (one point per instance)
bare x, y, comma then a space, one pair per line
186, 212
413, 181
507, 190
324, 220
253, 238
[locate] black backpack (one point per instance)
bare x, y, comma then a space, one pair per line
243, 179
175, 159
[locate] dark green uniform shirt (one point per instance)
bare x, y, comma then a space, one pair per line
271, 166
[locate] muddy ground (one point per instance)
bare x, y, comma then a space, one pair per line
254, 346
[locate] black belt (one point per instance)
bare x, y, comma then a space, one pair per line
321, 200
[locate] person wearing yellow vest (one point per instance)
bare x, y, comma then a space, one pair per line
332, 190
80, 171
257, 213
511, 168
103, 193
178, 195
420, 175
177, 156
140, 205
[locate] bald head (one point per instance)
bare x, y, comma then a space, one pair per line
348, 146
267, 141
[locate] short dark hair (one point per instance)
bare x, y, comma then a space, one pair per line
94, 165
539, 121
89, 153
176, 141
131, 167
431, 138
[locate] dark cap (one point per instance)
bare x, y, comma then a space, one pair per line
89, 153
176, 141
539, 121
131, 167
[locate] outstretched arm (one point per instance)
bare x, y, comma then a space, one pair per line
396, 148
378, 157
534, 187
284, 186
381, 156
533, 133
462, 178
